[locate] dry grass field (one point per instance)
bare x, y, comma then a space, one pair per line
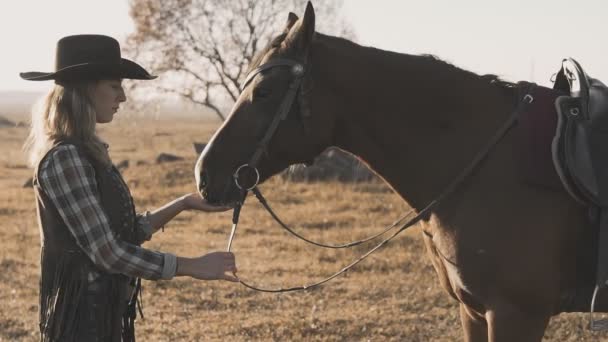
392, 296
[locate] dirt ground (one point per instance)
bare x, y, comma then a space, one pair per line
392, 296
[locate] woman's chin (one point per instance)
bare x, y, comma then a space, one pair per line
105, 120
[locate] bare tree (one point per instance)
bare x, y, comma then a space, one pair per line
202, 48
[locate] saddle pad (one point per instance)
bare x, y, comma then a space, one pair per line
536, 127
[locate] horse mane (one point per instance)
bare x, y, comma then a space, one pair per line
491, 79
426, 58
508, 88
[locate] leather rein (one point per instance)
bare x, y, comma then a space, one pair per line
299, 72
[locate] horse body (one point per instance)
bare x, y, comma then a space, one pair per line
505, 250
497, 244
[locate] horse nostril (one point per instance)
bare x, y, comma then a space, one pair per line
203, 183
203, 180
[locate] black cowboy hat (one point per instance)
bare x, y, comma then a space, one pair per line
89, 57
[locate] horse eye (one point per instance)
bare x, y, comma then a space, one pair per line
260, 92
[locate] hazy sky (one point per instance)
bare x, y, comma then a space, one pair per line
30, 29
516, 39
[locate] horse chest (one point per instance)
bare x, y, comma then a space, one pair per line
445, 256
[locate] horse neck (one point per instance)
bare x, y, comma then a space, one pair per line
415, 120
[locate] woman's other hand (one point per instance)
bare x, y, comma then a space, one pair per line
195, 201
212, 266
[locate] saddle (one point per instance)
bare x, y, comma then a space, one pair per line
580, 146
580, 156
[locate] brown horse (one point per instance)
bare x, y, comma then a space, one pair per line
505, 250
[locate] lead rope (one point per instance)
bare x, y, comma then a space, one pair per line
527, 99
235, 220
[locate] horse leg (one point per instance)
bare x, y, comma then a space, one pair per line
511, 324
475, 329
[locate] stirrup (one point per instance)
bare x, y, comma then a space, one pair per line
600, 324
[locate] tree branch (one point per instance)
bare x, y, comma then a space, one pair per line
190, 96
210, 44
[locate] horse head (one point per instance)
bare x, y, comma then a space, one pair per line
271, 126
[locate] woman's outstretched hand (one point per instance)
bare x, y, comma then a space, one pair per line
212, 266
195, 201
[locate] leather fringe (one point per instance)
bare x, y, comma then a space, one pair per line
60, 301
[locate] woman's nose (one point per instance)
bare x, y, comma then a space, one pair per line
122, 97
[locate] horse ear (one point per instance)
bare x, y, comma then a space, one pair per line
302, 33
291, 19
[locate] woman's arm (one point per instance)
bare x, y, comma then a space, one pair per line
69, 181
159, 217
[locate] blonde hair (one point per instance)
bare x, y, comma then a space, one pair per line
66, 112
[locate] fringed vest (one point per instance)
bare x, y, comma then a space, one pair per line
69, 302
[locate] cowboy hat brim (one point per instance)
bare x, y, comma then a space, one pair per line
91, 71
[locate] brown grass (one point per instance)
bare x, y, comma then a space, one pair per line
394, 295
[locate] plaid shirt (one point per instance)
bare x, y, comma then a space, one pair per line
69, 181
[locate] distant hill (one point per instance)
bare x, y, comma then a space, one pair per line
16, 104
4, 122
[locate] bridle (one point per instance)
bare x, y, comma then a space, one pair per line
298, 70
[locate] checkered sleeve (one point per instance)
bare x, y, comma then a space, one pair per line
69, 181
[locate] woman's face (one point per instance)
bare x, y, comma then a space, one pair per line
106, 96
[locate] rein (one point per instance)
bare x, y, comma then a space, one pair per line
258, 195
298, 71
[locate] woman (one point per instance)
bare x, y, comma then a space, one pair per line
91, 259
